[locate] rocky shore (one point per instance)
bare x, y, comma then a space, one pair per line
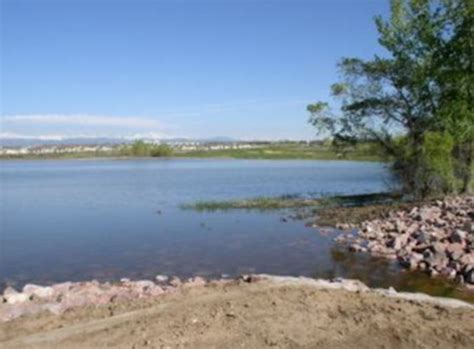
61, 297
436, 237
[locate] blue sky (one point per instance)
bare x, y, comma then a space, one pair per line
237, 68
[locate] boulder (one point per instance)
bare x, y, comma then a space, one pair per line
11, 296
38, 291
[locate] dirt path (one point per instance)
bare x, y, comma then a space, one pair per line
250, 315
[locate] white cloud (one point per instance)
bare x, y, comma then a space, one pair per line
83, 120
11, 135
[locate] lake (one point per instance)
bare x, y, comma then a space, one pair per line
108, 219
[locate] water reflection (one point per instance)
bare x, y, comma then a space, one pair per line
383, 273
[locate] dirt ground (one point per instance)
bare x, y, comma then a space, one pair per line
250, 315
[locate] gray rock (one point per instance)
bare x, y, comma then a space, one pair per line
458, 236
468, 227
423, 237
469, 276
437, 261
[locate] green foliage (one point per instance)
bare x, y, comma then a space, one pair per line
434, 171
418, 101
142, 149
293, 150
162, 150
292, 201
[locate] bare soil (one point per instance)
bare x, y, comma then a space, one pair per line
249, 315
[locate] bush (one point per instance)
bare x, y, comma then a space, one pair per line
428, 170
143, 149
161, 150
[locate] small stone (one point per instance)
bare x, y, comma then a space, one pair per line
468, 227
437, 261
161, 278
458, 236
449, 273
423, 237
143, 285
195, 281
414, 260
455, 251
175, 281
469, 276
467, 259
395, 243
355, 248
433, 273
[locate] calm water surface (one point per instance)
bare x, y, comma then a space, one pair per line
107, 219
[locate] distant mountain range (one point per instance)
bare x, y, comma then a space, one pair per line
25, 142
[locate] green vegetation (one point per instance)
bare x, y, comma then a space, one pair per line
260, 203
292, 201
290, 150
417, 102
143, 149
267, 150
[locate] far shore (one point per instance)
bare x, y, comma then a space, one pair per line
270, 152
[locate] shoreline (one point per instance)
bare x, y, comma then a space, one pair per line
62, 297
186, 158
256, 308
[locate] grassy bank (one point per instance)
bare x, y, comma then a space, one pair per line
285, 151
294, 201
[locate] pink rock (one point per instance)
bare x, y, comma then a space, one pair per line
175, 281
467, 259
62, 287
455, 250
196, 281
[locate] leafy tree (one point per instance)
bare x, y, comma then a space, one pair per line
394, 100
455, 75
161, 150
142, 149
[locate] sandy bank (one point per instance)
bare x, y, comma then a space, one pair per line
266, 312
